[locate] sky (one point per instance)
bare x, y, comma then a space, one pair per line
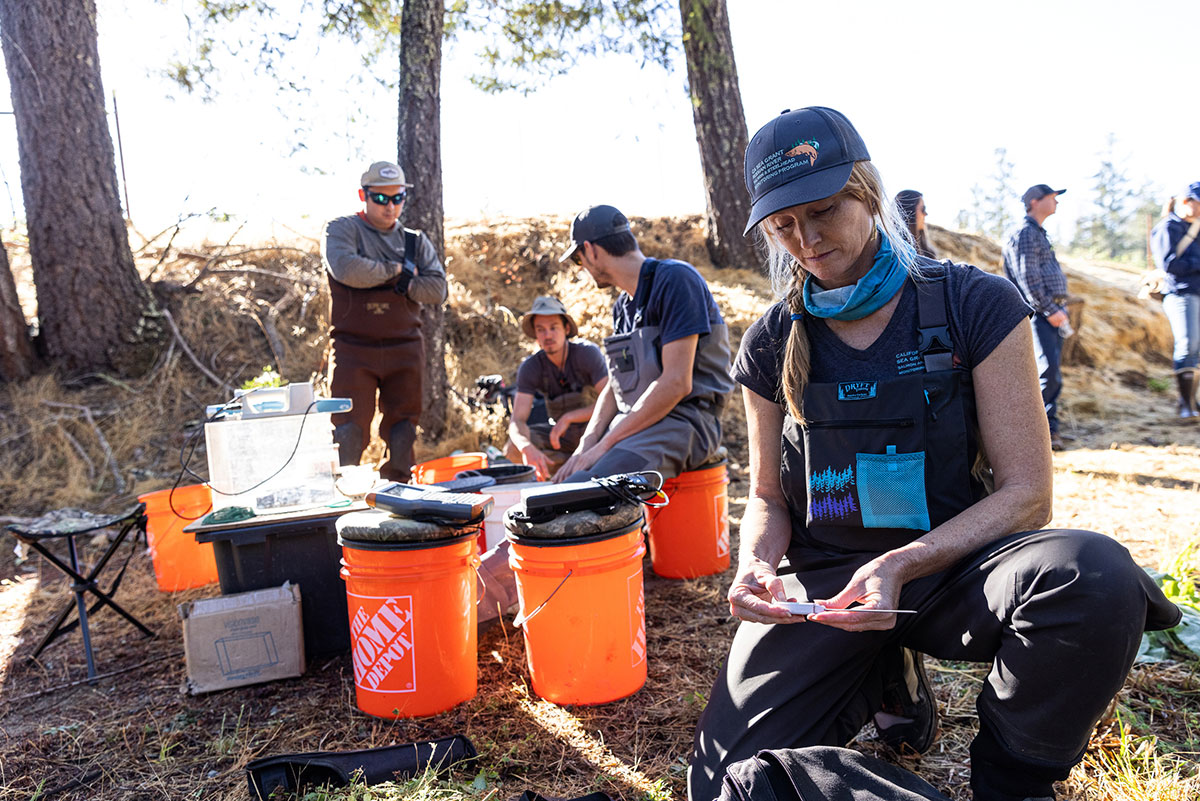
934, 88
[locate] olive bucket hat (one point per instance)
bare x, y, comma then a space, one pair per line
545, 304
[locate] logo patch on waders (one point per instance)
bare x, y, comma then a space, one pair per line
856, 390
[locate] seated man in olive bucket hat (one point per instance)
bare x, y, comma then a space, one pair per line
567, 374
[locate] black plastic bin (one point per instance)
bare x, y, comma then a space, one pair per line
304, 552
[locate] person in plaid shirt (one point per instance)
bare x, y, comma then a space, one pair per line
1029, 262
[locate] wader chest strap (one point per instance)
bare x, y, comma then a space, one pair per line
933, 331
642, 295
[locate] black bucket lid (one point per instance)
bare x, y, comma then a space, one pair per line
574, 527
502, 473
466, 484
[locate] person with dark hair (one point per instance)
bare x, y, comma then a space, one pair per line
668, 358
911, 204
1030, 263
1177, 254
873, 390
567, 375
380, 274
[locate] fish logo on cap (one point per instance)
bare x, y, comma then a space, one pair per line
807, 148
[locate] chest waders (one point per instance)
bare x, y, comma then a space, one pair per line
878, 463
635, 359
381, 315
378, 347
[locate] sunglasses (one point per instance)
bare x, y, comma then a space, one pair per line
380, 199
577, 257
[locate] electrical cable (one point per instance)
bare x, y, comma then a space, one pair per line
185, 460
623, 487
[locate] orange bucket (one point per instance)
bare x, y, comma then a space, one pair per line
689, 537
180, 562
447, 467
412, 623
585, 614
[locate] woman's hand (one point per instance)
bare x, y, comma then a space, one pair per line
754, 588
875, 585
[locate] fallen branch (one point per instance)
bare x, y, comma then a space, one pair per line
184, 345
91, 466
220, 254
77, 682
108, 454
253, 271
274, 342
263, 249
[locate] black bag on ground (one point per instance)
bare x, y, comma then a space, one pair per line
292, 772
822, 773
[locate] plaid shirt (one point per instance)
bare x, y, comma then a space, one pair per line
1029, 263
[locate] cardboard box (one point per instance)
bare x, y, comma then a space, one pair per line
246, 638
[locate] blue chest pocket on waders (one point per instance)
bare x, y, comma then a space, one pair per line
892, 489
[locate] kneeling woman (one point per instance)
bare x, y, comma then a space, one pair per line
873, 389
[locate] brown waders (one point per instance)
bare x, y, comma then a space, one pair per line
394, 369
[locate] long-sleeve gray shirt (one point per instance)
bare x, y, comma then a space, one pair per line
361, 256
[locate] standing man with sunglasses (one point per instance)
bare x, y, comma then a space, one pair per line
379, 275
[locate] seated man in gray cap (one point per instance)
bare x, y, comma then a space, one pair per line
668, 358
567, 374
380, 274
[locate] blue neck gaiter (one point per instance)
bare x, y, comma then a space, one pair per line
872, 291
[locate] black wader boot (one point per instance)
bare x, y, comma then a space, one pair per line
1186, 381
401, 440
349, 439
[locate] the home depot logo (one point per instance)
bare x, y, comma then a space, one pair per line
721, 513
382, 633
637, 618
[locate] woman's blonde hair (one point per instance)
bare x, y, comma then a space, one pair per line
787, 276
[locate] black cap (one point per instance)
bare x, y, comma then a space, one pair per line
1039, 191
798, 157
594, 222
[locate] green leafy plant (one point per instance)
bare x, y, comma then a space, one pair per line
267, 378
1178, 581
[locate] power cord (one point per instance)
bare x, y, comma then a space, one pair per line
192, 440
623, 487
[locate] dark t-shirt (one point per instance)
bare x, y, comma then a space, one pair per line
584, 367
984, 309
680, 302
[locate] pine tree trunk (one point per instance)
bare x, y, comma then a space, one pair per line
420, 145
92, 305
720, 129
16, 351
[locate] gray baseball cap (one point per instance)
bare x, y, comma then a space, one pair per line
594, 222
383, 173
1039, 191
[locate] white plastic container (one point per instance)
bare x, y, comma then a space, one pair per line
504, 495
251, 462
